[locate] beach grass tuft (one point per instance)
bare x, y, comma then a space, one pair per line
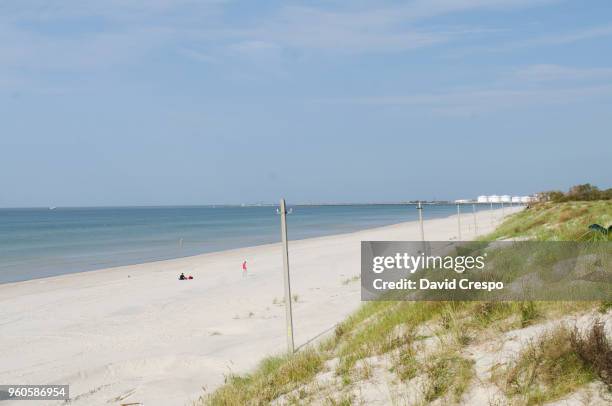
557, 363
595, 350
448, 375
274, 377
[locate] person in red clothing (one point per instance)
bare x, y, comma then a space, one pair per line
244, 268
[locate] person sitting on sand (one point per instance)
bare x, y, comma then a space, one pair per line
182, 277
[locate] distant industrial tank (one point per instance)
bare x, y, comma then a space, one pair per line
502, 199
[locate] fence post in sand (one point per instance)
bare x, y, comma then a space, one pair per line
288, 310
458, 223
503, 215
420, 209
475, 220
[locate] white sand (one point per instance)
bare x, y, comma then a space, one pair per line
137, 334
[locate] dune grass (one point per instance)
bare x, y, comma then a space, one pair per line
546, 370
392, 327
567, 221
381, 328
556, 364
562, 360
595, 350
273, 377
379, 335
447, 374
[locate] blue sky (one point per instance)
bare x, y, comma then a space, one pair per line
151, 102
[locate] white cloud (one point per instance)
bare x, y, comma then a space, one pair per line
89, 35
549, 73
254, 47
198, 55
370, 28
129, 30
480, 101
32, 52
584, 34
565, 38
41, 10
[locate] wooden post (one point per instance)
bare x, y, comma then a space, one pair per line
420, 209
458, 223
288, 304
475, 220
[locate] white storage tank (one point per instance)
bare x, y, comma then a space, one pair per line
494, 199
482, 199
505, 199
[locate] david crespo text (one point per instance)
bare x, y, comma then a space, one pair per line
446, 284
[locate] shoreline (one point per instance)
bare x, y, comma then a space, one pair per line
62, 254
194, 256
138, 264
140, 334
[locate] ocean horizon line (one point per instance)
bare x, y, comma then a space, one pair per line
239, 205
41, 242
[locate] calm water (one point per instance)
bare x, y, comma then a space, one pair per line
36, 243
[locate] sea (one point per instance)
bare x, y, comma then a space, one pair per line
44, 242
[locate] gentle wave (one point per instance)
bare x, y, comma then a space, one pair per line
37, 243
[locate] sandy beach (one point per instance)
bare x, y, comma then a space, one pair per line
137, 334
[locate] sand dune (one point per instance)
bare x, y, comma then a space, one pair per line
137, 334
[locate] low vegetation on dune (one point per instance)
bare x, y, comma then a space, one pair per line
423, 352
557, 363
567, 221
275, 376
545, 370
417, 345
584, 192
